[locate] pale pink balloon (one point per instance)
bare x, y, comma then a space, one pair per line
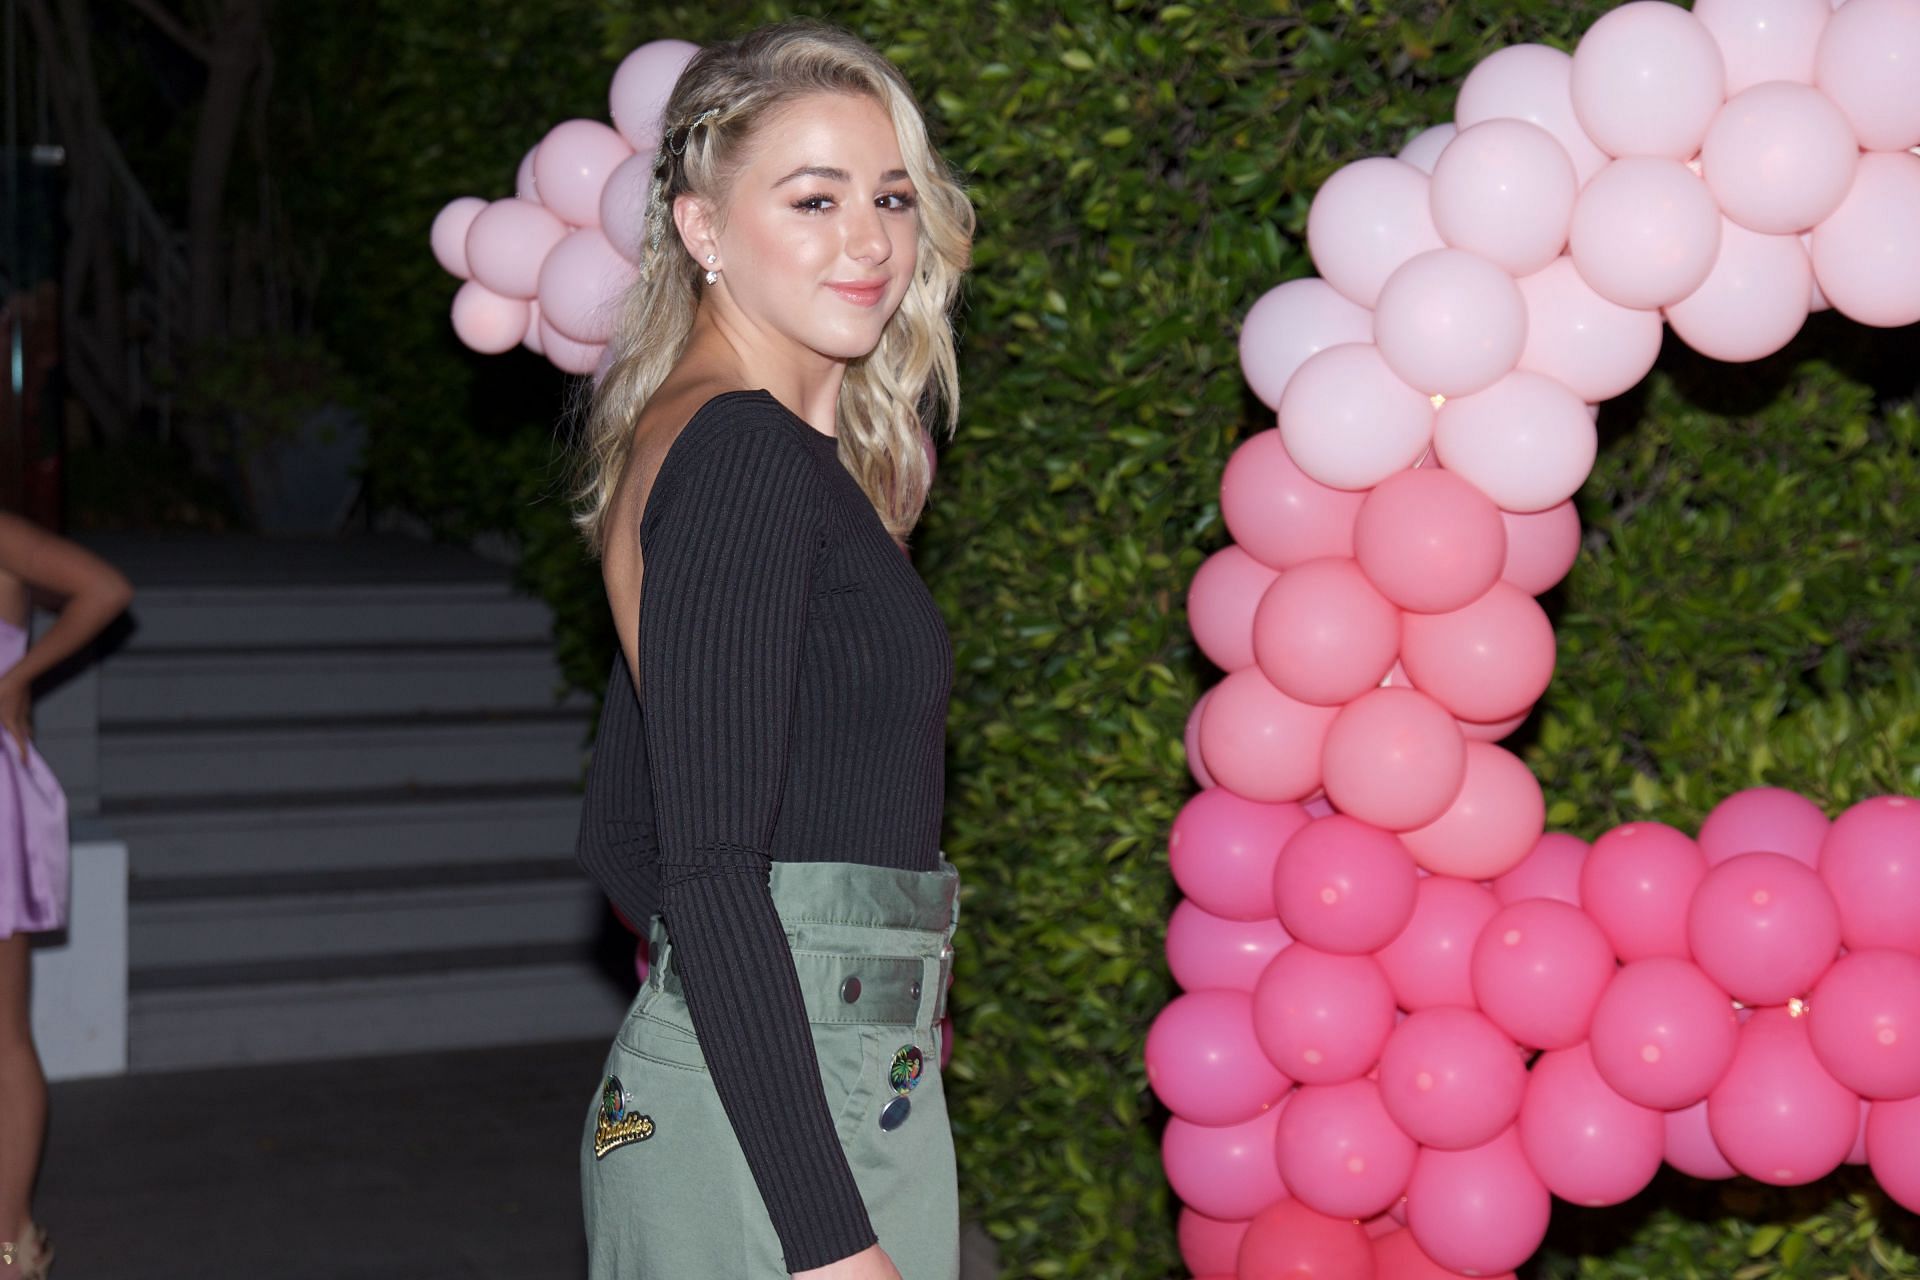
1762, 40
1394, 758
1539, 969
1291, 322
1504, 190
1206, 951
1485, 661
1430, 964
567, 355
1541, 547
1531, 82
1587, 1143
1323, 635
1260, 743
1764, 820
1869, 64
623, 206
1663, 1033
1322, 1018
1645, 230
641, 85
1870, 861
1777, 1115
1818, 302
1597, 348
1222, 849
1398, 1256
1689, 1143
1866, 256
1779, 158
1226, 1172
1450, 323
1764, 927
1450, 1078
506, 244
1207, 1245
1429, 541
1203, 1062
449, 235
487, 322
582, 284
1478, 1211
1637, 883
1647, 79
1190, 741
1343, 886
531, 341
602, 366
1550, 870
1423, 151
1753, 302
1493, 823
1527, 442
1340, 1153
1221, 600
1289, 1241
1864, 1021
1280, 514
1893, 1149
1367, 219
525, 186
572, 165
1348, 421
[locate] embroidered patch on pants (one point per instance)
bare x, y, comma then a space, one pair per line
618, 1124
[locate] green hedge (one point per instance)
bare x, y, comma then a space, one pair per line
1143, 174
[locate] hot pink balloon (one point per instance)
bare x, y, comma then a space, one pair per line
1539, 970
1530, 82
1596, 348
1450, 323
1527, 442
1541, 547
1322, 634
449, 234
1485, 661
1587, 1143
572, 165
1367, 219
1866, 62
1190, 742
1550, 870
1322, 1018
1689, 1144
1779, 158
1278, 513
1777, 1115
1663, 1033
1348, 421
582, 284
506, 244
1423, 150
1206, 951
1343, 886
1394, 758
1764, 927
487, 322
1208, 1245
1221, 601
1859, 1153
1430, 963
1450, 1078
641, 85
1203, 1062
1492, 824
1893, 1149
1870, 861
1291, 322
1647, 78
623, 206
1636, 885
1762, 40
1764, 820
1226, 1172
1864, 1022
1261, 743
1429, 541
1504, 190
1866, 257
1340, 1153
1478, 1211
1222, 850
1753, 302
567, 355
1645, 230
1289, 1241
1399, 1257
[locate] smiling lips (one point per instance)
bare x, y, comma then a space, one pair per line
861, 293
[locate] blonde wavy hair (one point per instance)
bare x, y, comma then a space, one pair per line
888, 396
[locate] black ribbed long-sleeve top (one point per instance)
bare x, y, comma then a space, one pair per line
794, 679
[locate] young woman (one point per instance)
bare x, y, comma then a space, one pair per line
33, 843
766, 790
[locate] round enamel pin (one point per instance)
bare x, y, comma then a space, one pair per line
904, 1074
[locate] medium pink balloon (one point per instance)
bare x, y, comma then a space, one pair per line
1866, 63
449, 234
1859, 1153
623, 206
1777, 1115
1450, 323
1646, 230
1190, 742
572, 165
1527, 442
1260, 743
1689, 1143
567, 355
1587, 1143
582, 284
1530, 82
506, 244
1864, 1021
1764, 820
1430, 963
1278, 513
1484, 661
1870, 861
1597, 348
1779, 158
1348, 421
1636, 884
1289, 1241
1222, 850
1394, 758
1550, 870
1322, 634
1541, 547
1343, 886
1221, 600
1764, 927
487, 322
1399, 1257
1478, 1211
1203, 1062
1647, 79
641, 85
1322, 1018
1866, 257
1429, 541
1663, 1033
1764, 40
1493, 823
1367, 219
1504, 190
1753, 302
525, 185
1450, 1078
1539, 969
1893, 1149
1340, 1153
1226, 1172
1206, 951
1208, 1245
1423, 150
1291, 322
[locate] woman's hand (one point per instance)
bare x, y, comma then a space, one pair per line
15, 723
871, 1263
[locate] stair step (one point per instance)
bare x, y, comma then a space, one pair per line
216, 618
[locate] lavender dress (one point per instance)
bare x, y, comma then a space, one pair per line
33, 827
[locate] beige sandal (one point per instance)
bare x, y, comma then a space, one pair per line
30, 1258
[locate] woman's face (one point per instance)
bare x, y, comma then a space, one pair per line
822, 230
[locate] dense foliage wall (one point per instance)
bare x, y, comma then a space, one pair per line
1744, 610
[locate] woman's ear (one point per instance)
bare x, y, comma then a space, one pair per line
693, 218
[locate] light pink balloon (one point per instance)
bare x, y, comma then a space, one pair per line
1429, 541
1491, 731
1762, 40
1818, 302
1752, 303
449, 235
506, 243
1689, 1142
1530, 82
1206, 951
1480, 1210
1394, 758
1867, 64
572, 165
1259, 742
1203, 1062
1430, 963
1541, 547
1764, 927
1539, 969
1636, 884
582, 284
1779, 158
1280, 514
1343, 886
487, 322
1221, 600
1647, 78
1663, 1033
1893, 1149
1340, 1153
1870, 861
1367, 219
1645, 230
1598, 348
1550, 870
1222, 849
641, 85
1207, 1245
1484, 661
1423, 151
1527, 442
1587, 1143
1348, 421
1226, 1172
1504, 190
1866, 256
567, 355
1864, 1022
1322, 1018
1291, 322
1493, 823
1323, 635
1450, 1078
1777, 1115
1190, 742
1450, 323
525, 186
623, 206
1764, 820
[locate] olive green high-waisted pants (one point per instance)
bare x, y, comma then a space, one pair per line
666, 1190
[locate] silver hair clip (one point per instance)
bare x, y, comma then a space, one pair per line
686, 130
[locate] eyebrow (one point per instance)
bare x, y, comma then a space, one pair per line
830, 174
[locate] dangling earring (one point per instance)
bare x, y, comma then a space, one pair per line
713, 277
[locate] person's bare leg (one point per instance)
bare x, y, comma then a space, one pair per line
23, 1092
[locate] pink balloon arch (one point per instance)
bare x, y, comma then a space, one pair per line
1411, 1016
